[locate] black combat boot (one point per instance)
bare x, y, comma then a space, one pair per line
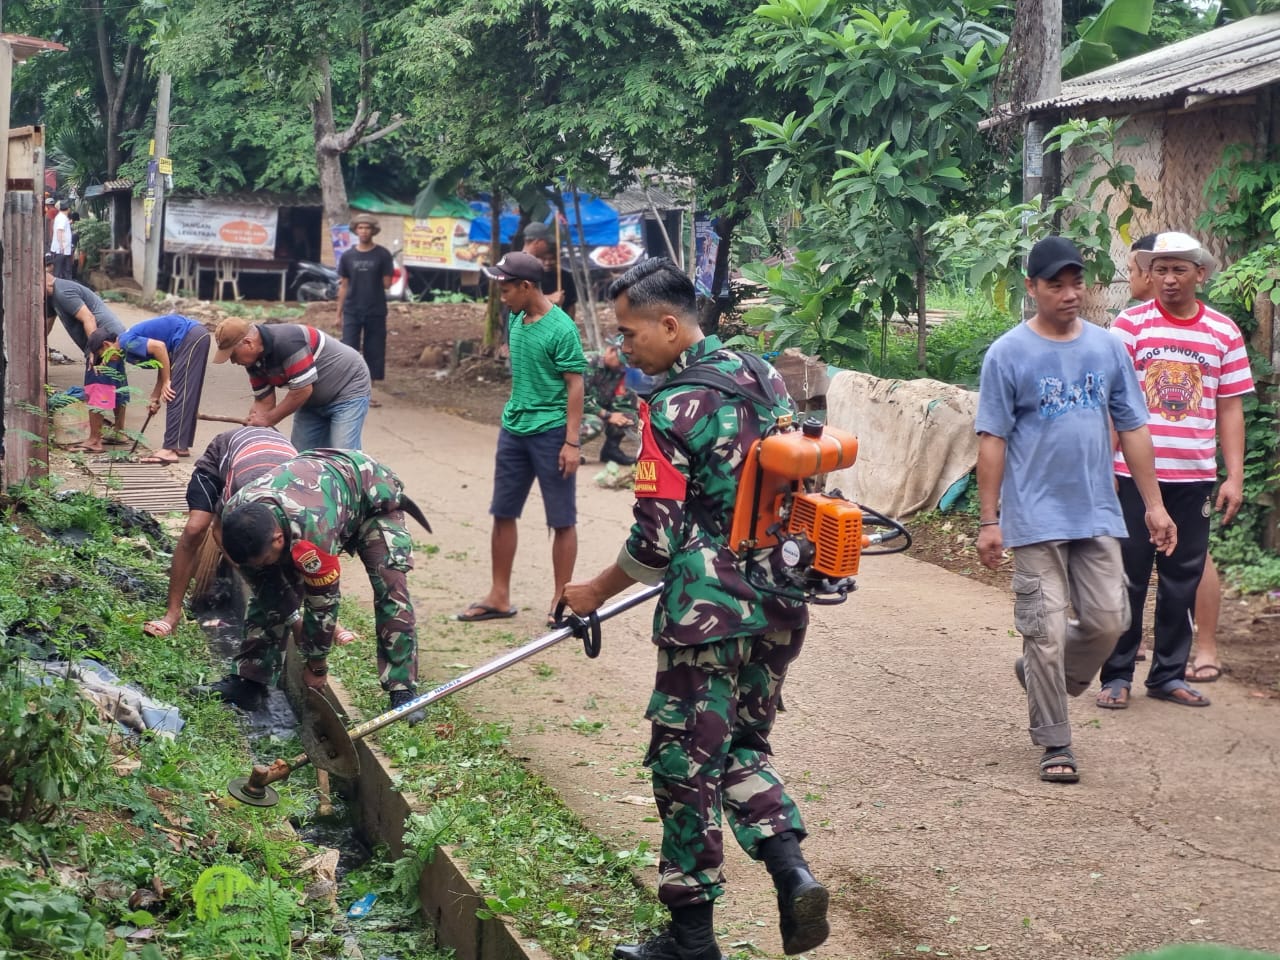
611, 450
691, 936
802, 900
400, 697
248, 695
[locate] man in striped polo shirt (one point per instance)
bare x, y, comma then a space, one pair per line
540, 432
232, 459
1194, 371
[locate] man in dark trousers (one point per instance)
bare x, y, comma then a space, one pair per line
724, 646
364, 274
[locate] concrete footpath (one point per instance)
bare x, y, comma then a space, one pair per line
904, 740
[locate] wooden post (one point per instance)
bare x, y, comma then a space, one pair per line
26, 423
593, 328
1038, 176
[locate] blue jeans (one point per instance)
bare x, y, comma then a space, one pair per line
336, 425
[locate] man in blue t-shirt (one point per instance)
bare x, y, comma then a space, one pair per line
1051, 391
179, 348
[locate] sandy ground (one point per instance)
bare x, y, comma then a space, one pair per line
904, 741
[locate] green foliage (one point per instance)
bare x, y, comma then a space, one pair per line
50, 745
92, 237
1094, 206
1242, 196
887, 138
1120, 30
1238, 548
39, 919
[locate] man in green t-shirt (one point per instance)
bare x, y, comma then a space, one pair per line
539, 435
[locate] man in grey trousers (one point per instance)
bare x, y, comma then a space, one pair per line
1051, 390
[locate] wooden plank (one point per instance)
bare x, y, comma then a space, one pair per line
25, 348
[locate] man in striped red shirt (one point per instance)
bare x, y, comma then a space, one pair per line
1194, 371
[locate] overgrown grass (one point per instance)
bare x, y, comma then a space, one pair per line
133, 834
533, 858
954, 349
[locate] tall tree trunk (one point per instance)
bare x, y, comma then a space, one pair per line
333, 190
493, 314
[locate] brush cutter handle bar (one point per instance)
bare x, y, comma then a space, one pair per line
497, 665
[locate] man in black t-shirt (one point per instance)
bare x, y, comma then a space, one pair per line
557, 282
364, 275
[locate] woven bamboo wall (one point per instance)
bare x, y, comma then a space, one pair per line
1175, 155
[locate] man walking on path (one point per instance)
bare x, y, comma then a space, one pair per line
724, 646
540, 431
326, 382
180, 346
1050, 391
1206, 667
365, 273
83, 312
285, 531
1195, 372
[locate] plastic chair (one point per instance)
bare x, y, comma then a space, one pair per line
182, 275
226, 270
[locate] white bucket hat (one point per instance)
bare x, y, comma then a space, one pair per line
1177, 246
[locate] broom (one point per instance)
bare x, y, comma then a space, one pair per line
208, 559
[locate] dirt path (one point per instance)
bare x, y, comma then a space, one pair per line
904, 741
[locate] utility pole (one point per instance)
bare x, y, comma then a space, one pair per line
154, 199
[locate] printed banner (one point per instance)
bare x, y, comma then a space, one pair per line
442, 243
706, 244
342, 239
216, 228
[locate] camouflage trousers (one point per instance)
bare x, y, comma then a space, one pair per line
386, 550
712, 709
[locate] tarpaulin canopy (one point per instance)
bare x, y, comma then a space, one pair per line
599, 221
372, 202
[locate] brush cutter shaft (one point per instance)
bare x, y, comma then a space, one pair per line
497, 665
255, 788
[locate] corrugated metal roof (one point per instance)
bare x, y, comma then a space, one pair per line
1228, 61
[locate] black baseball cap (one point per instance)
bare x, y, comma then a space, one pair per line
1051, 256
516, 266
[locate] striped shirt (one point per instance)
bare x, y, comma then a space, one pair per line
241, 456
1184, 366
295, 356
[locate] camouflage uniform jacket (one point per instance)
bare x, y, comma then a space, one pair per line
322, 499
605, 392
695, 439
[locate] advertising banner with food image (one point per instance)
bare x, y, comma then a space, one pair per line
218, 229
442, 243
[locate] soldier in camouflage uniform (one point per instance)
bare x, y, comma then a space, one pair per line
724, 646
607, 404
285, 531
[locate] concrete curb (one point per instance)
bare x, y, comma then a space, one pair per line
446, 896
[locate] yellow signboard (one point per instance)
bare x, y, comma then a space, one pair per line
166, 165
442, 243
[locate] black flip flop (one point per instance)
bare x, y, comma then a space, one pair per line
1059, 757
486, 613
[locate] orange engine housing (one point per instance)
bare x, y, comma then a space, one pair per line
771, 477
834, 527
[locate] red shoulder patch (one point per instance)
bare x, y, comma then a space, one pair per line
319, 569
655, 476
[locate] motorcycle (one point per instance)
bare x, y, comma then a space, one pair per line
316, 283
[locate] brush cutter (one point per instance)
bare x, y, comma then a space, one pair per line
330, 746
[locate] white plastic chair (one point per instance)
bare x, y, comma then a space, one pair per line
182, 275
226, 270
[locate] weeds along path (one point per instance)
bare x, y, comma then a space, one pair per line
904, 740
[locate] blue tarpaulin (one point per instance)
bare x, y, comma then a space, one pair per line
599, 221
